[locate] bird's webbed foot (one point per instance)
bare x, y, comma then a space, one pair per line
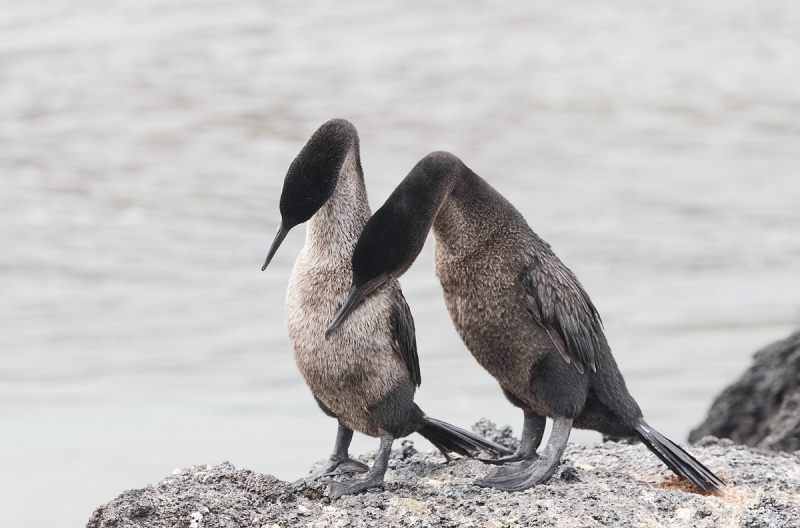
355, 486
340, 461
532, 432
509, 465
519, 478
373, 478
349, 466
502, 461
336, 466
528, 473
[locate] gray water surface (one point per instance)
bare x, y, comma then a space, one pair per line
143, 144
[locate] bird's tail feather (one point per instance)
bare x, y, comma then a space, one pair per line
451, 439
679, 461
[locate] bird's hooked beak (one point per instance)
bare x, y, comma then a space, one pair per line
354, 298
275, 245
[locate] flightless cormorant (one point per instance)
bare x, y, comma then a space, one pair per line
367, 374
523, 315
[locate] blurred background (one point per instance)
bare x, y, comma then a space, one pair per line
143, 145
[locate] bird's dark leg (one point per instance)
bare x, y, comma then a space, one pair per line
543, 468
373, 479
532, 433
340, 461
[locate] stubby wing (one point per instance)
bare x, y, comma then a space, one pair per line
404, 340
563, 308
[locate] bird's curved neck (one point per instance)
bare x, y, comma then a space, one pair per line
332, 233
468, 215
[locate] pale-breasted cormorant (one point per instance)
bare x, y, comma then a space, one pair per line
518, 309
367, 374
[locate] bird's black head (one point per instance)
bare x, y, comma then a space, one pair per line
394, 236
313, 175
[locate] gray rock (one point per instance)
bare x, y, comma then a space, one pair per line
612, 484
763, 408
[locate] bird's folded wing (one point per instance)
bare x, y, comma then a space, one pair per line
404, 341
562, 307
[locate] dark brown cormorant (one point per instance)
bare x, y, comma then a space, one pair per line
367, 374
523, 315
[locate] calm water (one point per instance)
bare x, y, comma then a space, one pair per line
143, 144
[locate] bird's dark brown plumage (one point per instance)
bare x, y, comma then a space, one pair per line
522, 314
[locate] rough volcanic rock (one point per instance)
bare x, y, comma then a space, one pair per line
763, 408
611, 484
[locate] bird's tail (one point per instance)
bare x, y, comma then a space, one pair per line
679, 461
451, 439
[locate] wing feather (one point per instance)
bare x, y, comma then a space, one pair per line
565, 309
404, 340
